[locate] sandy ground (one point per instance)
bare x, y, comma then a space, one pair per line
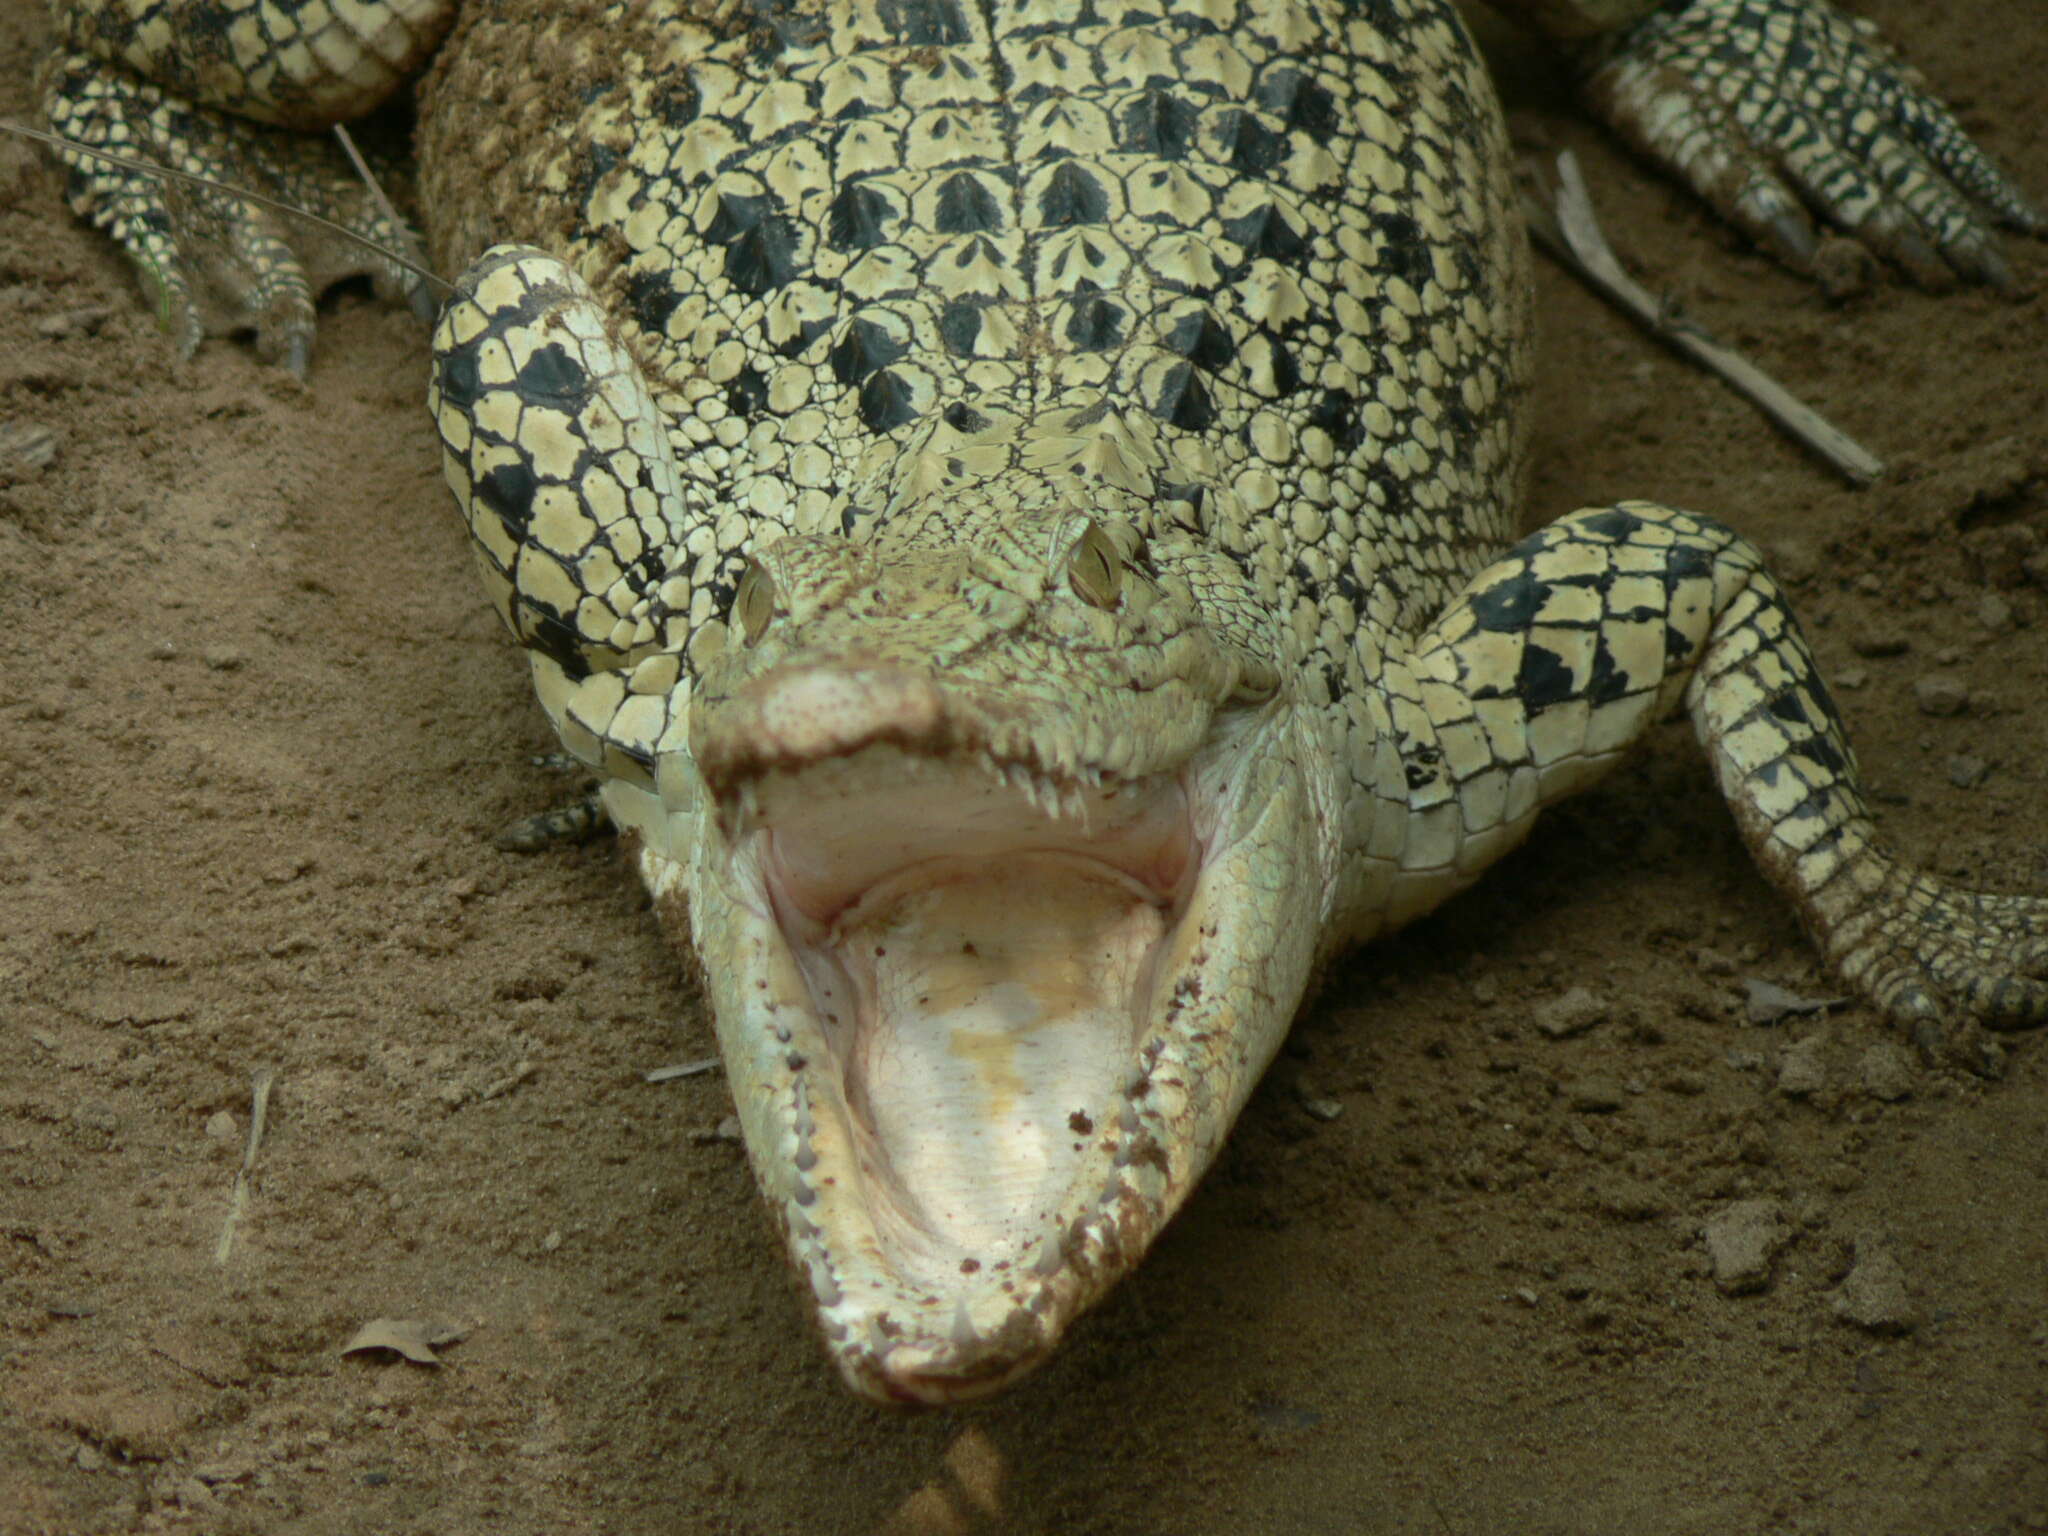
256, 727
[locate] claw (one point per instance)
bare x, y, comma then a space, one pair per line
2023, 214
1795, 237
1921, 260
1987, 264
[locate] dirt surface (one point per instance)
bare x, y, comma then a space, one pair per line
257, 726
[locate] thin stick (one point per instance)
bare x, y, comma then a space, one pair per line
149, 168
1572, 234
681, 1069
355, 158
238, 1202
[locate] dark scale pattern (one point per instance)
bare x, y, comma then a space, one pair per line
1186, 216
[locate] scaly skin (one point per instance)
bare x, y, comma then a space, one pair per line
1017, 510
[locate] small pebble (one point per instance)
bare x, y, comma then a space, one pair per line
73, 322
1852, 678
1571, 1014
1886, 1072
27, 443
1594, 1096
727, 1130
1967, 772
551, 1242
1994, 612
1712, 962
220, 1126
1873, 1294
1941, 694
1802, 1069
90, 1460
221, 658
1741, 1242
163, 650
1793, 561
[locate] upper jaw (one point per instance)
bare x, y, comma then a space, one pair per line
985, 1028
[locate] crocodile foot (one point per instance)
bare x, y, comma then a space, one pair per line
210, 262
1777, 110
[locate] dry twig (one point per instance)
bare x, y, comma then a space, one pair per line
681, 1069
238, 1202
1572, 234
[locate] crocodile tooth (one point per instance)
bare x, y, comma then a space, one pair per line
1022, 783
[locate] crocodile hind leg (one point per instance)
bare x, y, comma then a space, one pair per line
1774, 109
1559, 656
228, 92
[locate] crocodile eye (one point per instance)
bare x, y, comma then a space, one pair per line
753, 605
1095, 568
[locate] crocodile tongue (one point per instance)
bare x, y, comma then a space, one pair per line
985, 1026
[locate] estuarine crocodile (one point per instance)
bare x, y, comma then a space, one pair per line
1017, 501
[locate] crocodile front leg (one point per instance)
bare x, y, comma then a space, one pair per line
1559, 657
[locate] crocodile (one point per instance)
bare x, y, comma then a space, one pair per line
1017, 504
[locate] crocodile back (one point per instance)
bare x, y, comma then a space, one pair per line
1247, 267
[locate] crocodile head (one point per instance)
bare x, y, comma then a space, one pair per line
1005, 872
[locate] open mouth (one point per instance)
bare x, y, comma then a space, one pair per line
982, 973
986, 1025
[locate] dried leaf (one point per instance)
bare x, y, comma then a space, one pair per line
415, 1340
1765, 1002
